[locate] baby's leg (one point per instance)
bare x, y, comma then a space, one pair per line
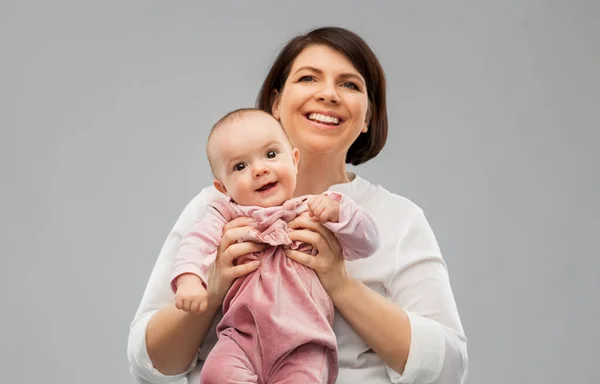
227, 364
309, 363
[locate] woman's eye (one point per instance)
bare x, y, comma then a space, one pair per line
239, 166
306, 78
271, 154
351, 85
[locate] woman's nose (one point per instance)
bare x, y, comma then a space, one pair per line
327, 93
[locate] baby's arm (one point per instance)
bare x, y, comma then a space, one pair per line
352, 225
195, 255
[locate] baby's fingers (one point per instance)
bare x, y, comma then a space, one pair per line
182, 304
313, 203
319, 211
179, 303
198, 306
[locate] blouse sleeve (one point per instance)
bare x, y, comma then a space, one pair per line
421, 286
157, 295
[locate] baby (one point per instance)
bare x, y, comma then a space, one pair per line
277, 320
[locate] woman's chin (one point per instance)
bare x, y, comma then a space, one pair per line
321, 147
317, 142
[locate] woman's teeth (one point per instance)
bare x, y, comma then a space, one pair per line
323, 118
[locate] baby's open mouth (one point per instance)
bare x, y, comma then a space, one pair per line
266, 187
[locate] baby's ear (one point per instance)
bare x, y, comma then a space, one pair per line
296, 157
220, 187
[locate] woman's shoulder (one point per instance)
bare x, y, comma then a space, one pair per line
196, 207
208, 194
378, 198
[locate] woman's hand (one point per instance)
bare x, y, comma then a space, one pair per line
224, 269
328, 263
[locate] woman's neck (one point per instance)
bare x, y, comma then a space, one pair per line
316, 175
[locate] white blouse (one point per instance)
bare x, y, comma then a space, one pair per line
407, 269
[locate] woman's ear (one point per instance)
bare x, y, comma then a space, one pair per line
367, 120
220, 187
275, 97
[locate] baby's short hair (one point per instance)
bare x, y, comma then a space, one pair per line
236, 113
232, 116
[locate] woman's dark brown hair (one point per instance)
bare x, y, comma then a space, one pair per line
368, 144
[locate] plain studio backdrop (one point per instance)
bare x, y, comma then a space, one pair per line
494, 131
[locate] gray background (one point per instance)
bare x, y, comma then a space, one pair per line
105, 107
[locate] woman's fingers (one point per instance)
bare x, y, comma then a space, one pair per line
239, 222
235, 228
301, 257
308, 236
232, 235
239, 249
244, 269
304, 222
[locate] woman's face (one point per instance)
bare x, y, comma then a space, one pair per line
324, 103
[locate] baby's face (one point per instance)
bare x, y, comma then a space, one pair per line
253, 160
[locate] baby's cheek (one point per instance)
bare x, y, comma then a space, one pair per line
290, 179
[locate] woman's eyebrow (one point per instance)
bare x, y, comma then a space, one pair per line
309, 68
352, 76
343, 75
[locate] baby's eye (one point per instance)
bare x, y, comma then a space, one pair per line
239, 166
271, 154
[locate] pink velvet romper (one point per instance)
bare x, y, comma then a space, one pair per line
276, 325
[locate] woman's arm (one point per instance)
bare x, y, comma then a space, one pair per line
379, 322
173, 338
416, 329
163, 341
158, 297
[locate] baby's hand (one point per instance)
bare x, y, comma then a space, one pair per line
324, 208
191, 296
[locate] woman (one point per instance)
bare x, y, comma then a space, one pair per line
397, 321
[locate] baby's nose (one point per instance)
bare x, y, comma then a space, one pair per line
260, 170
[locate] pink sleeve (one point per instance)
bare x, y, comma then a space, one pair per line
198, 248
355, 230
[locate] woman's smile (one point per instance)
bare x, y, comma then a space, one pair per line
324, 118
